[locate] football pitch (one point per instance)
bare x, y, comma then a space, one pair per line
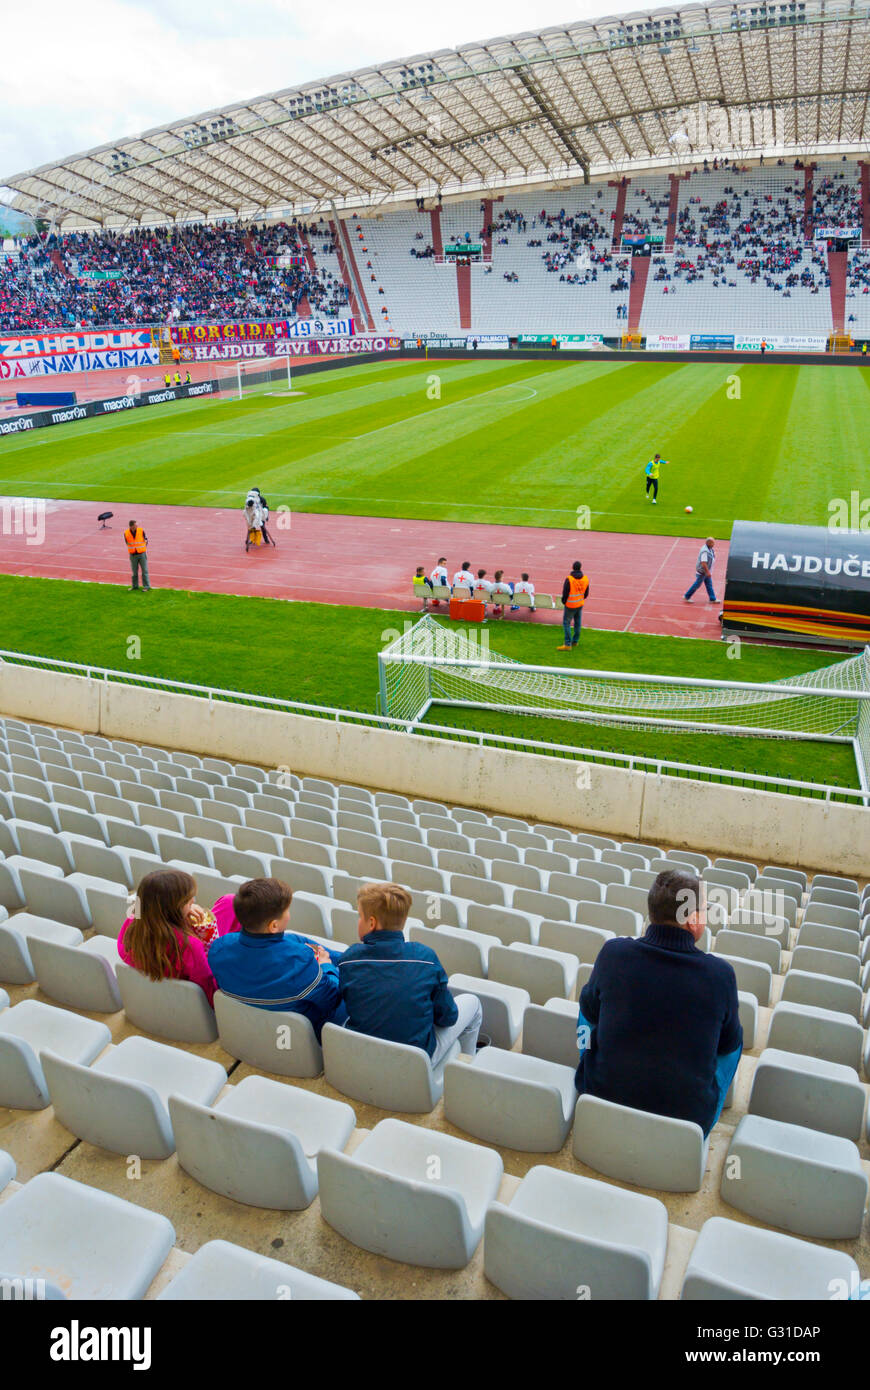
521, 442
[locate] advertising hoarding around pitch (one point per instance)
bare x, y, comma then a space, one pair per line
798, 583
667, 342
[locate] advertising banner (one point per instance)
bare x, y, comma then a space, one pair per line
712, 341
782, 342
321, 328
22, 368
667, 342
434, 342
801, 583
287, 347
488, 341
574, 340
50, 344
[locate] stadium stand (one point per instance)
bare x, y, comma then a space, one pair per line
98, 1061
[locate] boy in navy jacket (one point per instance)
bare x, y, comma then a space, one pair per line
397, 989
267, 965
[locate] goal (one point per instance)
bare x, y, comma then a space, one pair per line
239, 379
430, 664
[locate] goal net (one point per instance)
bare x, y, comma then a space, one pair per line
236, 380
430, 664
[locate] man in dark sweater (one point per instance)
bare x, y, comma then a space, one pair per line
659, 1028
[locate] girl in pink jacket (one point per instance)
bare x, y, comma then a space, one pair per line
168, 935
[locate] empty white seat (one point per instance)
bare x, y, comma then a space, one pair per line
802, 1090
805, 1182
7, 1169
550, 1031
270, 1039
577, 888
740, 866
812, 1032
582, 941
81, 977
727, 878
16, 937
749, 946
629, 895
827, 938
544, 972
59, 899
459, 951
176, 1009
564, 1236
638, 1147
823, 992
409, 1193
391, 1075
511, 1099
816, 961
121, 1102
767, 900
759, 923
734, 1261
26, 1031
258, 1144
844, 885
503, 1006
753, 976
830, 916
622, 921
506, 924
221, 1271
90, 1244
477, 890
796, 876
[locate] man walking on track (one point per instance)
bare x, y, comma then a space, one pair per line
704, 571
137, 545
575, 592
652, 476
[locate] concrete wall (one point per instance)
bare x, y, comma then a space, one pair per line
762, 826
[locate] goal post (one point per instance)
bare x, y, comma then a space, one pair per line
431, 664
237, 379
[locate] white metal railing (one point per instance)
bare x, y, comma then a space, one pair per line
630, 762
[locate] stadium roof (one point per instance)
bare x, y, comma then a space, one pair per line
652, 89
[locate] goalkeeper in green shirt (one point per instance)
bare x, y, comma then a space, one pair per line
652, 476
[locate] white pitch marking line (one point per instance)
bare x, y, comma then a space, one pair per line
652, 583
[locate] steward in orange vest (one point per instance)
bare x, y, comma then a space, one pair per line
575, 592
137, 545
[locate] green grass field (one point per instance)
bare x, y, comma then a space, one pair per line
521, 442
327, 655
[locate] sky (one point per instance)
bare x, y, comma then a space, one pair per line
104, 69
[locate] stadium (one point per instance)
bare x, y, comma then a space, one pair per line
483, 436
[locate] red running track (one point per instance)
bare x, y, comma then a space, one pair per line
636, 582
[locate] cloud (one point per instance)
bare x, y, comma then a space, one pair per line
105, 69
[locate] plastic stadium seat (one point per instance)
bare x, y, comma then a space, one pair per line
833, 897
753, 977
552, 863
26, 1031
220, 1271
581, 941
545, 973
16, 936
7, 1169
760, 924
802, 1090
823, 992
808, 1183
175, 1009
59, 899
4, 1000
507, 925
269, 1039
842, 885
93, 1245
120, 1103
503, 1007
393, 1076
459, 951
634, 1146
632, 896
81, 977
747, 1005
412, 1194
259, 1143
621, 921
739, 866
813, 933
511, 1099
517, 875
699, 862
815, 961
563, 1233
733, 1261
727, 878
827, 916
811, 1032
749, 946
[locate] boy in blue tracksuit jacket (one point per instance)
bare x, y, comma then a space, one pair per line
397, 989
266, 965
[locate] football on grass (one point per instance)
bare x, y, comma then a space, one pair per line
689, 509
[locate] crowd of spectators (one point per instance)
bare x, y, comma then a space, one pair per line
221, 271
